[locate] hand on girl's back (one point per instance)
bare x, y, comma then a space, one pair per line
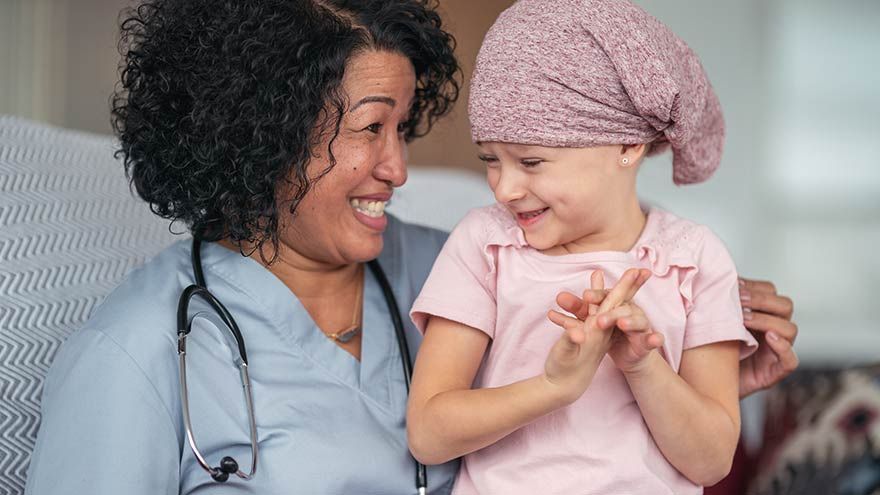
592, 333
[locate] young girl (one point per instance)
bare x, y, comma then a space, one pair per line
567, 98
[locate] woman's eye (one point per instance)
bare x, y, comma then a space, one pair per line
531, 163
374, 128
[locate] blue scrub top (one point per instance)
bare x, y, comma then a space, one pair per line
326, 423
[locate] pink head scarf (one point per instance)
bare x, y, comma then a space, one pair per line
581, 73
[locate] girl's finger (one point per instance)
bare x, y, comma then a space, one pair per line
579, 306
644, 275
655, 340
592, 298
597, 283
619, 292
610, 318
634, 323
570, 302
563, 320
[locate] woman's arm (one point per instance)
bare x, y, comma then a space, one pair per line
104, 428
693, 415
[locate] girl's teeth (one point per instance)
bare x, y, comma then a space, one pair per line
373, 209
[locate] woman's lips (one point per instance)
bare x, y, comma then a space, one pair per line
530, 218
370, 212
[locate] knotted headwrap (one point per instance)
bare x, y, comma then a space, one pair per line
581, 73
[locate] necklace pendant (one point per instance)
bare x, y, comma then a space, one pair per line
346, 336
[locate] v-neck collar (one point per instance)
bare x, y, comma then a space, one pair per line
371, 376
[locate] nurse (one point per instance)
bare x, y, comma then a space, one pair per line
276, 132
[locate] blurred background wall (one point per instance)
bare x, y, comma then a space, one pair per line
797, 198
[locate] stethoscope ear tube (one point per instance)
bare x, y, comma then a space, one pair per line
394, 311
228, 465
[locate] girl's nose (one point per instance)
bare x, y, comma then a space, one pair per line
509, 187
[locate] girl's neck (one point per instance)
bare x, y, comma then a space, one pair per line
622, 227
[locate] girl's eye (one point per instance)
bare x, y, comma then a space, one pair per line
401, 128
531, 163
489, 160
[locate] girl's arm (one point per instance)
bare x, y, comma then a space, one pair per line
447, 419
693, 415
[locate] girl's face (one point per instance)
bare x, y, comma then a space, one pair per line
341, 219
562, 196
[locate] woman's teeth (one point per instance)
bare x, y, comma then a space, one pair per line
369, 208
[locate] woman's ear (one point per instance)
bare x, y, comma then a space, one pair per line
632, 154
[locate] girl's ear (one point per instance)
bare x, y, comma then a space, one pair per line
632, 154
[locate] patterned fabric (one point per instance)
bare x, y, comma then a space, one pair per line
581, 73
69, 232
822, 435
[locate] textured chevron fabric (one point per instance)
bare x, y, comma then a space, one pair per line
70, 229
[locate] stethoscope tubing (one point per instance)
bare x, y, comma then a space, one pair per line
184, 326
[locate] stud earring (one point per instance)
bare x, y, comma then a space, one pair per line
625, 161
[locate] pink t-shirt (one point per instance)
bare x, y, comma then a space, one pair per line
487, 277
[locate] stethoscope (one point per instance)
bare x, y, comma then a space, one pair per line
229, 465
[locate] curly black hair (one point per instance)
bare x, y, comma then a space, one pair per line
220, 102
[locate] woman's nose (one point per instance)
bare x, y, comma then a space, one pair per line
392, 165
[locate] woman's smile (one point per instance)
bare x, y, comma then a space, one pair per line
370, 210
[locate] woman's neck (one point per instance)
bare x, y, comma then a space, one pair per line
305, 277
621, 228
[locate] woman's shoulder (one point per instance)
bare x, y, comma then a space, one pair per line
140, 313
406, 236
130, 336
409, 252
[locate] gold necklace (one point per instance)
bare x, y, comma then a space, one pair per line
345, 335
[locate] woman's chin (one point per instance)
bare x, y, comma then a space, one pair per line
365, 250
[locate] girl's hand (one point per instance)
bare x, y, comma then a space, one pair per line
768, 316
574, 358
632, 339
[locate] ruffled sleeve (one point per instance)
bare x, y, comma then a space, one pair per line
712, 293
462, 283
707, 281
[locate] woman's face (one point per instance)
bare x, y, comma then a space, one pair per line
341, 219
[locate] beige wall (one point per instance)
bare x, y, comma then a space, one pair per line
449, 144
58, 62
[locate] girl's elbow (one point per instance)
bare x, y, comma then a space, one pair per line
715, 467
420, 448
711, 475
419, 444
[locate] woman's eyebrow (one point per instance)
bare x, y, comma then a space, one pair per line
374, 99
